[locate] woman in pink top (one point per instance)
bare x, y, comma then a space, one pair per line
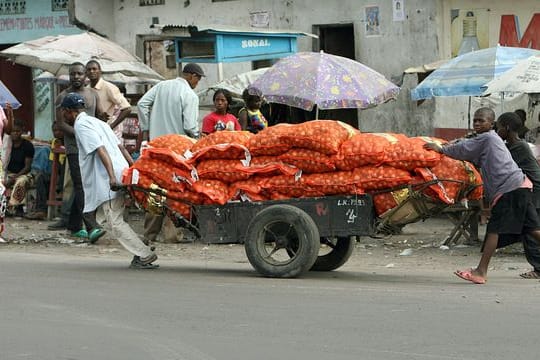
6, 123
220, 119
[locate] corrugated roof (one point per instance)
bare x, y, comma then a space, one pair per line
187, 30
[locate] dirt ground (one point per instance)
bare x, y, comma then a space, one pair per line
418, 248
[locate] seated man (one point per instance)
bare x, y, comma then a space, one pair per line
41, 169
18, 177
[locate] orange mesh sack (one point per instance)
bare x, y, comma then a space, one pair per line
132, 176
177, 143
248, 190
380, 177
308, 161
362, 149
435, 191
221, 145
165, 174
224, 170
286, 186
409, 153
264, 160
465, 177
272, 169
180, 207
168, 156
388, 200
333, 183
265, 143
216, 191
220, 151
222, 137
325, 136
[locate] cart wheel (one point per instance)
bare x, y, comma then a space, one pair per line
336, 253
282, 241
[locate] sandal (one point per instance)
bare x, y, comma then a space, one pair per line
469, 276
533, 274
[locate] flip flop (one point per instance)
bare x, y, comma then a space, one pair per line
469, 276
530, 275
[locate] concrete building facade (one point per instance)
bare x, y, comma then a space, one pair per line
386, 35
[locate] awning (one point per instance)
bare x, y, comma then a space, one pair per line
222, 44
189, 30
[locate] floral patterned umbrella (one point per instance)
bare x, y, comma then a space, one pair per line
307, 79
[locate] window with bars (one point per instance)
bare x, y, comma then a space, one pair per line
12, 7
151, 2
59, 5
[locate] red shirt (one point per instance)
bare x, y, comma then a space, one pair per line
211, 120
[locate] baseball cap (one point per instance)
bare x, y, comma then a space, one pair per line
73, 101
192, 68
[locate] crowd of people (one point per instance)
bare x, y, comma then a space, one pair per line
88, 128
88, 122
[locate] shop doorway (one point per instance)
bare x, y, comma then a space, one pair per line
337, 39
18, 79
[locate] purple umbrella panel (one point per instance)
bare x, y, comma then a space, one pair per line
307, 79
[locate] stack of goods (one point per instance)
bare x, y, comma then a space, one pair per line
316, 158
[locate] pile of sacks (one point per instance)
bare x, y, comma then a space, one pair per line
315, 158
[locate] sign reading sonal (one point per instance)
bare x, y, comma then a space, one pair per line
255, 43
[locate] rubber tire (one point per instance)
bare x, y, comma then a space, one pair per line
337, 257
306, 246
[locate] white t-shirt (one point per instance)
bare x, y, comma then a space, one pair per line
92, 133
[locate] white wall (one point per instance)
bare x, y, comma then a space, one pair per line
98, 14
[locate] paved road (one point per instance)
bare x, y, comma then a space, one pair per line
65, 307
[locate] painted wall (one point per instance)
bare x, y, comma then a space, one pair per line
492, 16
99, 14
26, 20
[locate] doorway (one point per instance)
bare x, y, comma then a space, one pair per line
18, 79
337, 39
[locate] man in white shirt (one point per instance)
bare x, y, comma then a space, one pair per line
102, 159
170, 107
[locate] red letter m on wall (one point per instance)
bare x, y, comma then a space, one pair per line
508, 36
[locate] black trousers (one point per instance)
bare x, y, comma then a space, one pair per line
530, 245
42, 182
76, 217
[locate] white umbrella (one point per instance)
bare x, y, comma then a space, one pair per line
116, 78
235, 85
55, 53
524, 77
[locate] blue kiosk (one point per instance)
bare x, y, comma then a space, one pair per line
224, 44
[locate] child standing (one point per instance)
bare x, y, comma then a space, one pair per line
220, 119
508, 127
506, 188
250, 116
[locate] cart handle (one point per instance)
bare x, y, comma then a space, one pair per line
178, 219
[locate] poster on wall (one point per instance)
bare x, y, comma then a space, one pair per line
259, 19
469, 30
372, 21
398, 10
43, 106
